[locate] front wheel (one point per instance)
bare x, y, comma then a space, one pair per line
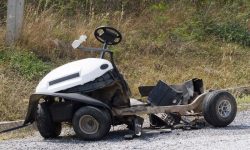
219, 108
91, 123
45, 125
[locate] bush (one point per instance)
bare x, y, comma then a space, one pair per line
230, 32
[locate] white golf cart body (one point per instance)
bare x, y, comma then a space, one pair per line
73, 74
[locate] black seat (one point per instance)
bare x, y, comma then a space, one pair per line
187, 90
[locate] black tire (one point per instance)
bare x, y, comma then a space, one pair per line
95, 119
45, 125
219, 108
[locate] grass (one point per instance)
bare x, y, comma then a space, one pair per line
172, 41
231, 31
243, 102
25, 63
21, 133
14, 89
20, 71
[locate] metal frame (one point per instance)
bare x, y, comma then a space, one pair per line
144, 109
74, 97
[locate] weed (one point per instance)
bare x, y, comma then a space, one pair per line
231, 32
28, 64
243, 102
2, 56
188, 31
161, 6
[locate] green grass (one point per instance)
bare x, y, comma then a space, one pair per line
230, 32
243, 100
25, 63
161, 6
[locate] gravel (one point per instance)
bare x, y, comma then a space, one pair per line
235, 136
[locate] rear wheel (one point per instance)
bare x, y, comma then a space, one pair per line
219, 108
45, 125
91, 123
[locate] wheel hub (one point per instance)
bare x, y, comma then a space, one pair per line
88, 124
224, 108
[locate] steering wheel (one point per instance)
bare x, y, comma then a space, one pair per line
108, 35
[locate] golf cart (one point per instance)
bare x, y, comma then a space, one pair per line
92, 95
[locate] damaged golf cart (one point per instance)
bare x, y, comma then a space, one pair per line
92, 95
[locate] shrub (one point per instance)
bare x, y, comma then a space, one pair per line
230, 32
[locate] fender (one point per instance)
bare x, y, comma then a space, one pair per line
34, 100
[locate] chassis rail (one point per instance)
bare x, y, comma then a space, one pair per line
144, 109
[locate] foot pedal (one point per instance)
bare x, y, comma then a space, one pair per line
138, 122
136, 128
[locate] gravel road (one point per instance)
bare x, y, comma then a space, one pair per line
235, 136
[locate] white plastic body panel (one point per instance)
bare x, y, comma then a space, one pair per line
86, 70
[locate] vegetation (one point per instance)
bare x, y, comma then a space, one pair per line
168, 40
243, 102
25, 63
